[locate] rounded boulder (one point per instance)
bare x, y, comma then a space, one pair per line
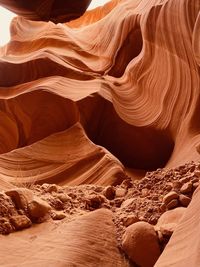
140, 243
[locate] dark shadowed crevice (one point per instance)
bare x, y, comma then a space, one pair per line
143, 148
39, 114
36, 69
130, 49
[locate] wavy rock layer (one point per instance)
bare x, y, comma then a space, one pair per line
65, 157
127, 72
80, 99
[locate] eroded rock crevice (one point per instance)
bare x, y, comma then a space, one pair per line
143, 148
85, 102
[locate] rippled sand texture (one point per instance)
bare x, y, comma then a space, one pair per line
124, 76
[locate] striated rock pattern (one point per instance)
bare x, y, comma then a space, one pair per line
120, 72
86, 99
65, 157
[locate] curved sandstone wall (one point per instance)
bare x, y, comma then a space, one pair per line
122, 80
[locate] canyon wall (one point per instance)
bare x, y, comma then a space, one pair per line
122, 81
89, 97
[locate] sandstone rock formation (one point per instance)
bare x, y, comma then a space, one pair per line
139, 78
183, 248
88, 99
140, 242
88, 241
168, 222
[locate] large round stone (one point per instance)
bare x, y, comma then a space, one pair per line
140, 243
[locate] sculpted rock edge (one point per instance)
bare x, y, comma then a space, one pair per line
86, 98
140, 77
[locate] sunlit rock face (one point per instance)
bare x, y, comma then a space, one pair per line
115, 88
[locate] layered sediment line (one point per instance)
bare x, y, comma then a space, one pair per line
138, 56
82, 98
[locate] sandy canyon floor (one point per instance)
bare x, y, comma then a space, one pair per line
56, 214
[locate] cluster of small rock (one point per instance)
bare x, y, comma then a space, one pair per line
152, 206
19, 208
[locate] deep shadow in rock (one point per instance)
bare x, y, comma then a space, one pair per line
144, 148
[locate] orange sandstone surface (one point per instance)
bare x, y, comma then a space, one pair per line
99, 134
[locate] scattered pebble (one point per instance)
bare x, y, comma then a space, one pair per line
58, 215
184, 200
38, 208
52, 188
63, 197
186, 188
159, 192
172, 204
170, 197
20, 222
120, 192
109, 192
130, 219
21, 197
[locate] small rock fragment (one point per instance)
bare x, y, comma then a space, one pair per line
155, 197
128, 202
142, 219
21, 212
130, 219
163, 207
127, 183
172, 204
186, 188
170, 196
52, 188
184, 180
120, 192
58, 215
20, 196
195, 180
168, 186
20, 222
176, 185
109, 192
6, 228
38, 208
184, 200
118, 202
45, 186
94, 202
63, 197
56, 203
